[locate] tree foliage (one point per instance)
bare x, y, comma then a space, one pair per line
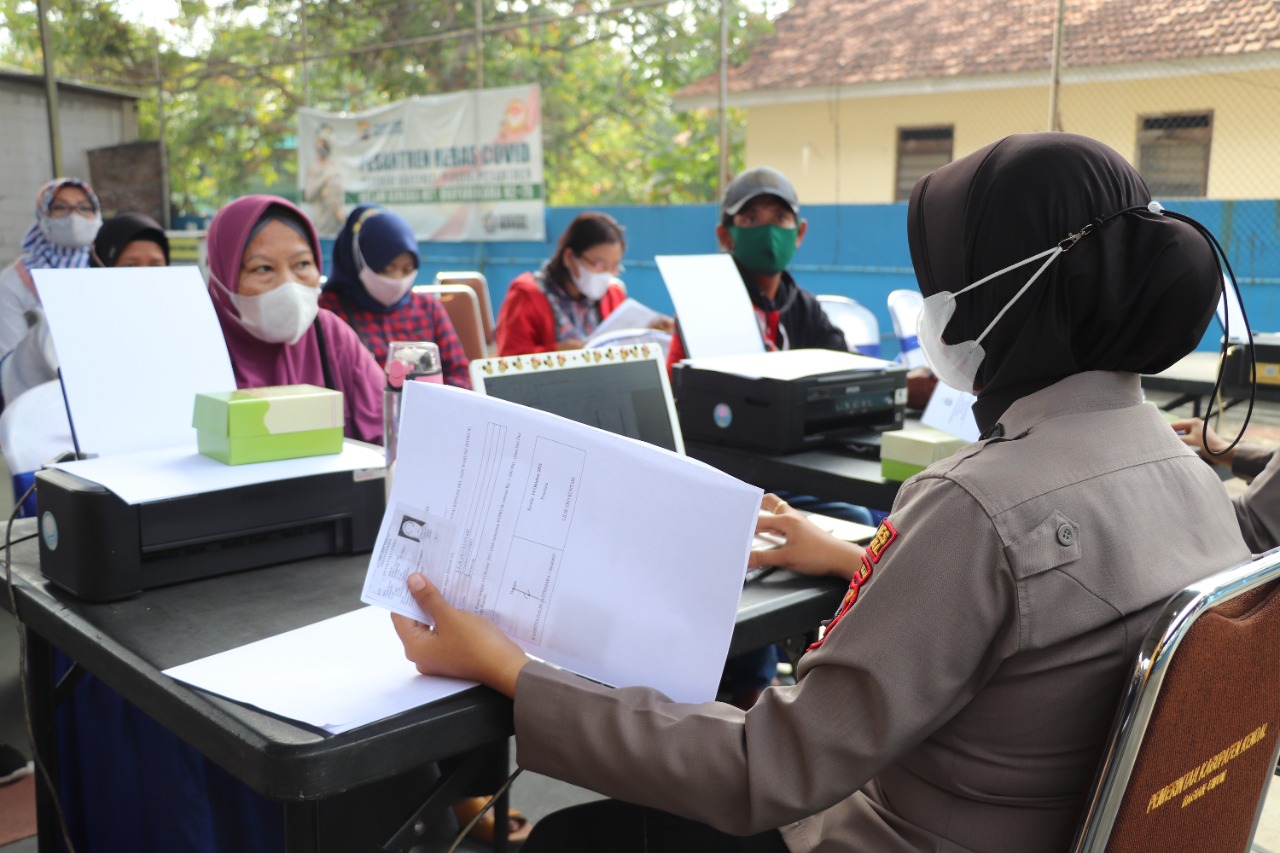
234, 73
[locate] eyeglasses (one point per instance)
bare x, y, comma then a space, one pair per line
58, 209
600, 266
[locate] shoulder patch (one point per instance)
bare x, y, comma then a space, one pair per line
885, 535
861, 575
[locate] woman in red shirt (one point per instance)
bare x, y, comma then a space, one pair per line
560, 305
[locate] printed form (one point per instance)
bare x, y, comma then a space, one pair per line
615, 559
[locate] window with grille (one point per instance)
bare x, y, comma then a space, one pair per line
920, 151
1173, 154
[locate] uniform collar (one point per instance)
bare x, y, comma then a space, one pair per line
1092, 391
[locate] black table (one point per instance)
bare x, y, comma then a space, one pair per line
832, 474
127, 644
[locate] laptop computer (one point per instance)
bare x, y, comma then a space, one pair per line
620, 389
623, 389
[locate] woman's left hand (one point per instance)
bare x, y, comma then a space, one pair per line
664, 324
458, 644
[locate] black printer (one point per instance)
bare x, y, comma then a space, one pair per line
98, 547
800, 399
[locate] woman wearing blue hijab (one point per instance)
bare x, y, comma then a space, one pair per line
375, 262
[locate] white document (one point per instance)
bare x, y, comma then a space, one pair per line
135, 346
174, 472
789, 364
1231, 314
952, 412
612, 558
629, 315
336, 675
715, 312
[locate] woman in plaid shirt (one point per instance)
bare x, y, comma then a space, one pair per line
375, 262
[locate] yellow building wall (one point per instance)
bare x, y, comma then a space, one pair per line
845, 151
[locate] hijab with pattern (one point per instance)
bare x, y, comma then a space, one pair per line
41, 253
384, 235
1135, 295
120, 231
256, 362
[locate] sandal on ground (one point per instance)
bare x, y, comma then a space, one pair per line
518, 826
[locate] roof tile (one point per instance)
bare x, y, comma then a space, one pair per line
848, 42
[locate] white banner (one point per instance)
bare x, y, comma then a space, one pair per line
463, 166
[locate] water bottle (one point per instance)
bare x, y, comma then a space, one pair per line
407, 361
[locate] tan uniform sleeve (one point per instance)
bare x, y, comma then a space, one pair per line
929, 627
1258, 509
1250, 460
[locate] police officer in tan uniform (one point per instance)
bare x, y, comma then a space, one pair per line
960, 699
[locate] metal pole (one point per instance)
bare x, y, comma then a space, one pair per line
723, 177
1055, 120
165, 212
306, 64
479, 45
51, 92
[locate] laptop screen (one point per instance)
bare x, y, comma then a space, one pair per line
623, 390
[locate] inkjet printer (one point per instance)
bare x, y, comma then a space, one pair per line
780, 402
100, 547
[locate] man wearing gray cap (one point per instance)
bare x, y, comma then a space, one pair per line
760, 226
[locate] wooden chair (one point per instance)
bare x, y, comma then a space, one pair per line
477, 282
1194, 741
463, 306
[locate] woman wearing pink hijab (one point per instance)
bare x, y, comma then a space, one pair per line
264, 279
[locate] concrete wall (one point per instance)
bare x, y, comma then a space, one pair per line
843, 149
88, 120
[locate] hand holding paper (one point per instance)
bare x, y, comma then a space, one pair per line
457, 644
550, 529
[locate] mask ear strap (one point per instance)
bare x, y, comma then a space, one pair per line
1224, 264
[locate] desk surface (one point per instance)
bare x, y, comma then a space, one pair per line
129, 643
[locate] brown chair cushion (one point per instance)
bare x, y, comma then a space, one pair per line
1207, 753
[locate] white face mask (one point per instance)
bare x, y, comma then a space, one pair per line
282, 315
957, 364
592, 285
73, 231
384, 288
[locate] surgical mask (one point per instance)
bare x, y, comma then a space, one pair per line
592, 285
957, 364
282, 315
763, 248
386, 289
73, 231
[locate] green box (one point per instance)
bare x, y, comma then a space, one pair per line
266, 424
906, 452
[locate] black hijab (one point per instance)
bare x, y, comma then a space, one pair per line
1136, 294
120, 231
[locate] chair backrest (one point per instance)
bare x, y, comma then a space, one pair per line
859, 324
904, 309
477, 282
34, 429
1194, 741
464, 312
626, 337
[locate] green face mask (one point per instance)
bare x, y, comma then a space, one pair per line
764, 248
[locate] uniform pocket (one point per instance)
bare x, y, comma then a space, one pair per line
1053, 542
